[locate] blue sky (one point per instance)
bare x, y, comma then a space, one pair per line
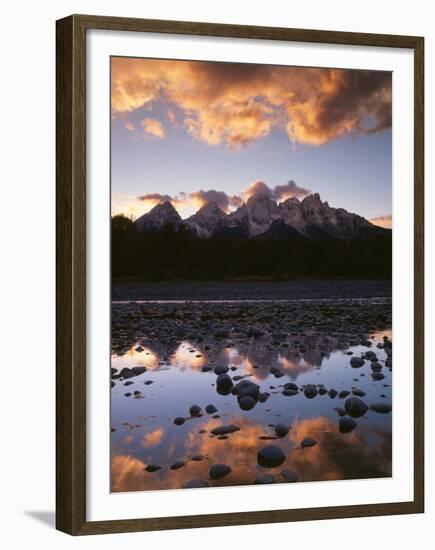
167, 141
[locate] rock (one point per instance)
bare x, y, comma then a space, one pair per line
310, 391
332, 393
376, 367
222, 333
370, 355
340, 411
179, 421
288, 476
281, 430
224, 384
113, 371
247, 403
177, 464
323, 391
255, 332
291, 386
343, 394
382, 408
378, 376
128, 394
246, 388
356, 362
148, 382
221, 369
223, 430
152, 468
218, 471
197, 458
355, 407
128, 383
138, 370
289, 392
126, 373
112, 383
139, 349
210, 409
265, 479
270, 456
196, 484
263, 396
308, 442
358, 392
206, 368
346, 425
195, 410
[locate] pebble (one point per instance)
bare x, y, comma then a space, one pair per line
223, 430
195, 410
382, 408
196, 484
152, 468
346, 425
308, 442
281, 430
288, 476
270, 456
218, 471
355, 407
265, 479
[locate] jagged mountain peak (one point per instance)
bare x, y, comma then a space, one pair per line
260, 215
207, 220
160, 215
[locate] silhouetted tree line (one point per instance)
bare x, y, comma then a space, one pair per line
171, 254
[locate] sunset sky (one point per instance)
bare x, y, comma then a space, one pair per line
193, 132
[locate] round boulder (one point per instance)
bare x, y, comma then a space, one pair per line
355, 407
270, 456
346, 425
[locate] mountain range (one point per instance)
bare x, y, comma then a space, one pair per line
262, 217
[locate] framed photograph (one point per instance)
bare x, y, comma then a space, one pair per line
239, 249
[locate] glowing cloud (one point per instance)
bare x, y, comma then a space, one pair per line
277, 193
235, 104
153, 127
383, 221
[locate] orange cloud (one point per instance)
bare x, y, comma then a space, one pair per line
129, 126
154, 438
278, 193
234, 103
383, 221
153, 127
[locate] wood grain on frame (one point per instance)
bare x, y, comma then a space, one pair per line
71, 273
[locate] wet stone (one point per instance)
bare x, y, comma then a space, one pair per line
152, 468
270, 456
195, 410
265, 479
308, 442
382, 408
218, 471
346, 425
223, 430
355, 407
196, 484
288, 476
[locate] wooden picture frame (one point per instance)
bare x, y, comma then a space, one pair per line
71, 273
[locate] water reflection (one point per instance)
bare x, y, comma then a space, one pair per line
179, 373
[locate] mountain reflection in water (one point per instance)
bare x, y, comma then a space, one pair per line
144, 408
